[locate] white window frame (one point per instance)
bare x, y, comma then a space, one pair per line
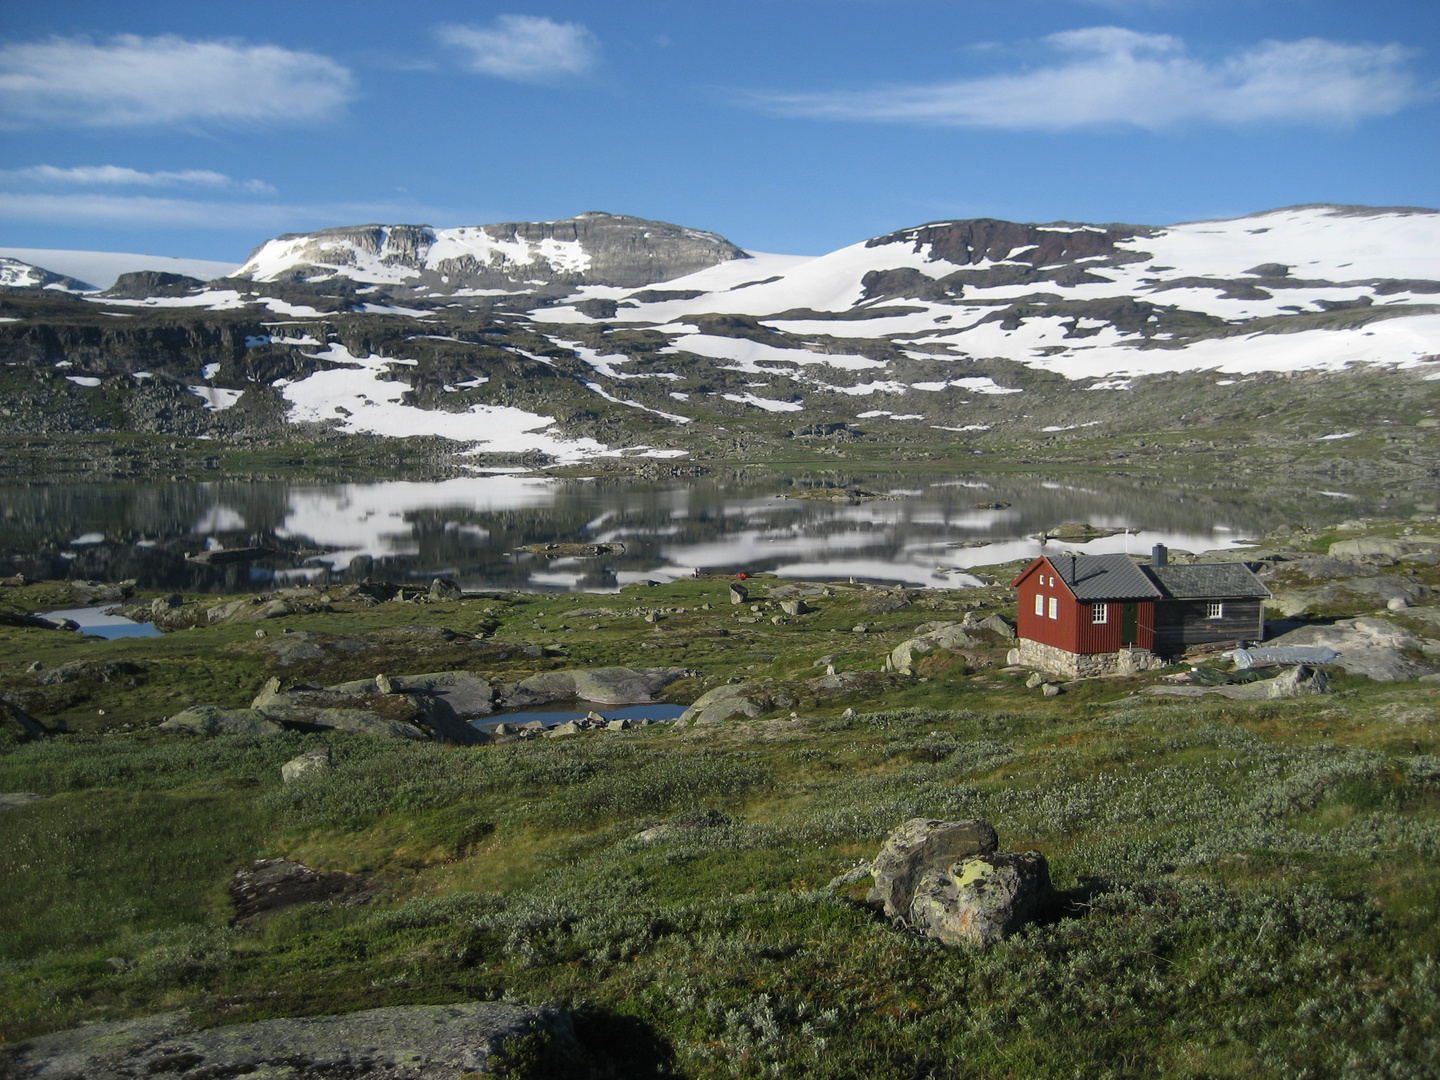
1054, 607
1099, 614
1040, 604
1215, 610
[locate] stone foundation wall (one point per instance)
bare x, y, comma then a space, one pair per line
1070, 665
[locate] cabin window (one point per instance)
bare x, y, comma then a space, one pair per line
1039, 604
1215, 611
1099, 613
1054, 607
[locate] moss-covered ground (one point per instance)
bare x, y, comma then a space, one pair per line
1246, 889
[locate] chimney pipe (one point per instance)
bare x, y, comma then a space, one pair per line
1159, 555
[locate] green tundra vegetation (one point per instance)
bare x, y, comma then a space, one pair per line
1244, 888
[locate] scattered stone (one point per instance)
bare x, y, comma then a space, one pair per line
406, 1042
1035, 679
1397, 603
103, 671
796, 607
311, 761
1050, 690
739, 594
34, 666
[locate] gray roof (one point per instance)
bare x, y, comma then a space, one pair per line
1196, 581
1104, 577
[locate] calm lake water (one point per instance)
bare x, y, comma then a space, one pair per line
928, 530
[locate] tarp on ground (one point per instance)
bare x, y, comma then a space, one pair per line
1283, 654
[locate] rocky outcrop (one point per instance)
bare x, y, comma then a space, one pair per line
271, 884
949, 636
590, 249
139, 284
726, 702
415, 1042
211, 720
1375, 648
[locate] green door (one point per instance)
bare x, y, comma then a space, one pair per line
1128, 619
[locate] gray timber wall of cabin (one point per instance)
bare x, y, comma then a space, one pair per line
1182, 623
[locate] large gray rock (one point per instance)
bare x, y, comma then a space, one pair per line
605, 686
947, 636
980, 900
310, 762
356, 722
916, 846
415, 1042
1383, 546
1362, 592
211, 720
1298, 681
1371, 647
724, 702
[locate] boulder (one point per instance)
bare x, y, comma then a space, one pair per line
997, 624
743, 699
946, 636
1299, 681
404, 1042
210, 720
980, 900
916, 846
358, 722
311, 761
739, 594
445, 589
604, 686
796, 607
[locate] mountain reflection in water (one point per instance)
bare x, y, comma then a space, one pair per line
471, 528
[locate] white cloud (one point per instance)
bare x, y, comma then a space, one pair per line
130, 211
120, 175
525, 48
131, 80
1110, 75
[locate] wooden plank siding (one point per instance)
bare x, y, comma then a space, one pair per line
1062, 631
1107, 636
1182, 623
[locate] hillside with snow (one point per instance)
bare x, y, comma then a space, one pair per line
603, 335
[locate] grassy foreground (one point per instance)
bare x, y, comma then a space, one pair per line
1247, 889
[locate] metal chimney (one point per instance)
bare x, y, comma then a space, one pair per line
1159, 555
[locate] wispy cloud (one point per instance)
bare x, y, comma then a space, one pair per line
122, 176
1110, 75
137, 211
525, 48
130, 80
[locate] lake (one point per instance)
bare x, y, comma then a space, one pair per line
926, 530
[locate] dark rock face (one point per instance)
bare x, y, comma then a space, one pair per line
271, 884
421, 1042
970, 242
144, 283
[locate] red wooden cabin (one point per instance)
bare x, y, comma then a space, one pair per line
1098, 614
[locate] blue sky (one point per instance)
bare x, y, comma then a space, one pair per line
201, 129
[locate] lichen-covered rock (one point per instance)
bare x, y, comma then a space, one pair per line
980, 900
407, 1042
916, 846
211, 720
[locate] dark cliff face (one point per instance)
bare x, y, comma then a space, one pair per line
968, 242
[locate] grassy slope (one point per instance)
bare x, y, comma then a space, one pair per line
1248, 889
